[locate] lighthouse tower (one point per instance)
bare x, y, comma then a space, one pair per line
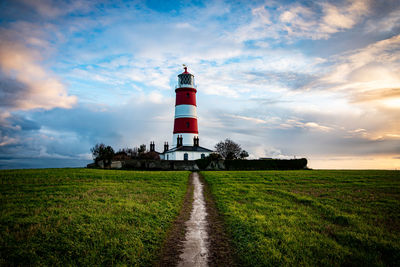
185, 123
185, 140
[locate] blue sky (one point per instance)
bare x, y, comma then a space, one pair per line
315, 79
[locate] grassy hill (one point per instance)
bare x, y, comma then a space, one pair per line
86, 217
311, 218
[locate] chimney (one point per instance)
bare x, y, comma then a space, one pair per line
152, 147
179, 141
166, 146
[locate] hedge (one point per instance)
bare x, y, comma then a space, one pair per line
267, 164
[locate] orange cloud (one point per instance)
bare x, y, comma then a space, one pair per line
26, 84
377, 94
391, 162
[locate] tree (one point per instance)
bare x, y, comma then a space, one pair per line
149, 155
228, 149
126, 153
121, 155
244, 154
214, 156
102, 152
142, 149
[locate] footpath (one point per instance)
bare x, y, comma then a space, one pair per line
197, 237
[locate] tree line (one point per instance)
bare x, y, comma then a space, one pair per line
226, 149
107, 153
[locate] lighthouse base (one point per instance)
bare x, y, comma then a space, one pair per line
186, 153
187, 139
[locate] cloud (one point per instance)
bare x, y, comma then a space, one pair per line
369, 77
302, 133
316, 126
378, 59
45, 7
350, 162
255, 120
315, 20
5, 140
290, 123
387, 23
25, 84
276, 153
336, 18
377, 95
51, 9
291, 79
70, 133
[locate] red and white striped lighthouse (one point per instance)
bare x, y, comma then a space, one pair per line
185, 124
186, 134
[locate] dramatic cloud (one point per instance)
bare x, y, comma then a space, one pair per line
70, 133
370, 79
25, 84
375, 66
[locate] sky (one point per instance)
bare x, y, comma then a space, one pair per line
284, 79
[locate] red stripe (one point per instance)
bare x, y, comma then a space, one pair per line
185, 96
185, 125
185, 89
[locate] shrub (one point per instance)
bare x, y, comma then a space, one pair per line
203, 163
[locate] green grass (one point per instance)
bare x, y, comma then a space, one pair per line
86, 217
311, 218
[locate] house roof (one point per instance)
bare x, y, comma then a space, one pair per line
189, 148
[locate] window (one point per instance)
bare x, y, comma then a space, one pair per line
186, 156
187, 95
187, 124
203, 156
186, 79
167, 157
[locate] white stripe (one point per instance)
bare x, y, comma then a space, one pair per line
186, 86
187, 139
185, 111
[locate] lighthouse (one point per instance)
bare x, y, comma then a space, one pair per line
185, 121
185, 140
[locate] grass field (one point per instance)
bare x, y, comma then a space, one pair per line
311, 218
86, 217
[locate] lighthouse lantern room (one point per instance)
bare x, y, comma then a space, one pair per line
186, 134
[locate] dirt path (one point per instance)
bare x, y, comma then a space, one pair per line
197, 237
195, 246
173, 244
